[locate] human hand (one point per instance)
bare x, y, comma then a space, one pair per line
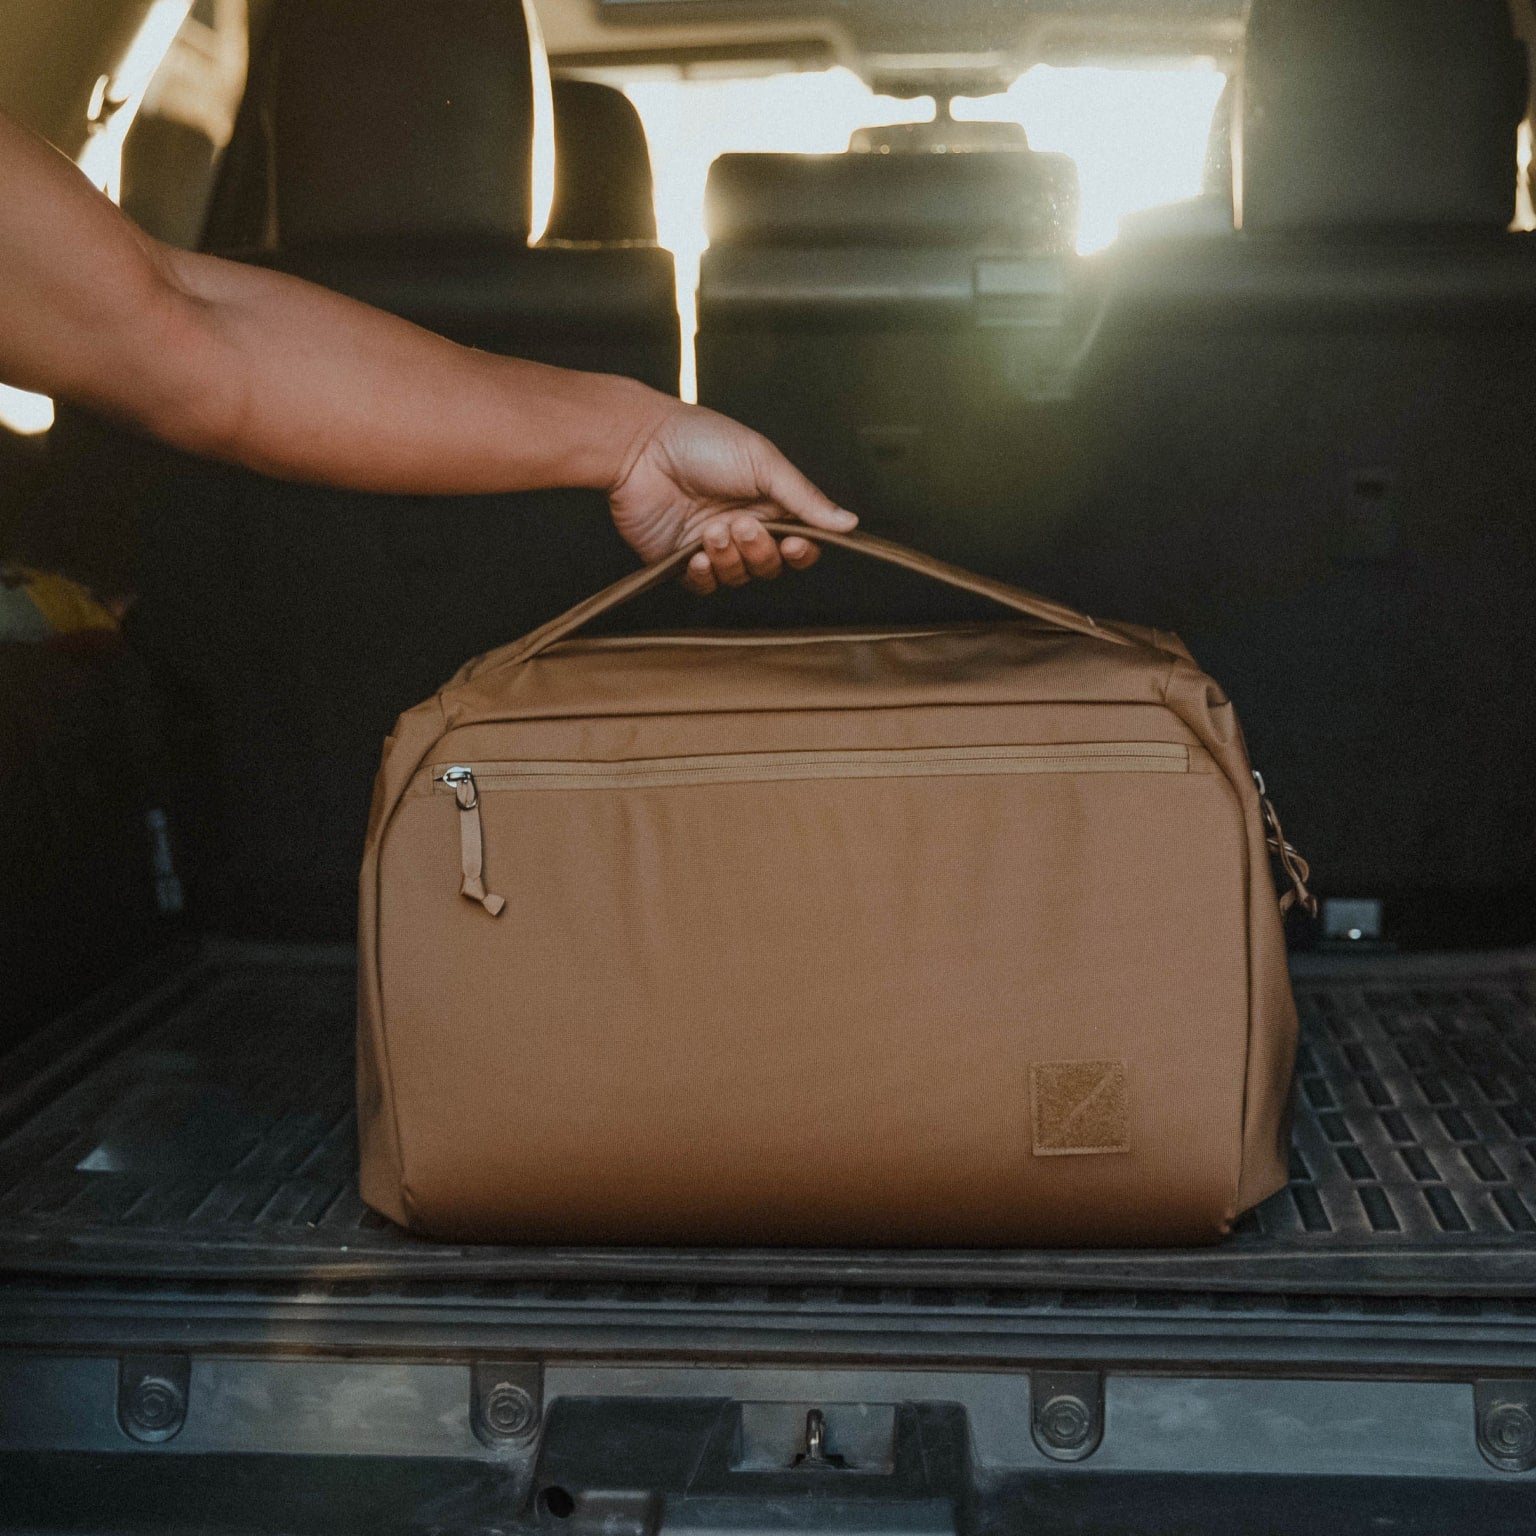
700, 474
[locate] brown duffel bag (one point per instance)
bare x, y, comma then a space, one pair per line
956, 935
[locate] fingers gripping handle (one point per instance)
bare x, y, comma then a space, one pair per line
631, 586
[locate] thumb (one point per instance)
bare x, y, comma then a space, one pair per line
779, 482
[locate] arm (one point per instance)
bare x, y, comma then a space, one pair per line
261, 369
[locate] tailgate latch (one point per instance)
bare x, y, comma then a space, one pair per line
816, 1456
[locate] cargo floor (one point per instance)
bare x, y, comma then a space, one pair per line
207, 1131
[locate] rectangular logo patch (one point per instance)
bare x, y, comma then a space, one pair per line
1079, 1107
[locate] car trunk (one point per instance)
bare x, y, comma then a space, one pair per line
203, 1327
199, 1315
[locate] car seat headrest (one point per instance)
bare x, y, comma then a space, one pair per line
944, 135
603, 184
386, 119
1007, 199
1379, 112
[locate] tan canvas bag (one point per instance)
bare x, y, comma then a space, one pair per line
958, 935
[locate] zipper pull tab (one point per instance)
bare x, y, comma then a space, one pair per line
471, 842
1297, 870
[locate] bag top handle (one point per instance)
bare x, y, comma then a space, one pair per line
637, 582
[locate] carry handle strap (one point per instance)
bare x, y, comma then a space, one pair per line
1055, 614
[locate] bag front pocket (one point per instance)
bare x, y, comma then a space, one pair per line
841, 988
467, 781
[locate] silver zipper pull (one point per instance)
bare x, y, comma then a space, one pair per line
471, 840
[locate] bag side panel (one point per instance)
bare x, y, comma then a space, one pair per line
1273, 1024
382, 1170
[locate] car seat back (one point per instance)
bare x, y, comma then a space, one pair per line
896, 322
385, 150
1307, 449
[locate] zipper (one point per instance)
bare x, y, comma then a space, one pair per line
467, 781
461, 782
815, 763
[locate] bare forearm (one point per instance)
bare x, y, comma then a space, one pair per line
322, 388
255, 367
259, 368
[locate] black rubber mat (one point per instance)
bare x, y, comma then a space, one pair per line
217, 1139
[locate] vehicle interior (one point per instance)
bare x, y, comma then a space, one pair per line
1278, 399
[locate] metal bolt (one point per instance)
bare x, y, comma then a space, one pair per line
510, 1411
1506, 1423
1068, 1418
1066, 1423
156, 1403
1510, 1431
506, 1404
152, 1393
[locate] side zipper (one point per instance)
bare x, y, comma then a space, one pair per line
471, 839
1297, 870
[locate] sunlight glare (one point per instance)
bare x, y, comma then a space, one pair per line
150, 45
1525, 212
102, 157
1138, 135
24, 413
689, 122
118, 95
543, 200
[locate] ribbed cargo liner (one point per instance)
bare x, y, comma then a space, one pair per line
217, 1138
